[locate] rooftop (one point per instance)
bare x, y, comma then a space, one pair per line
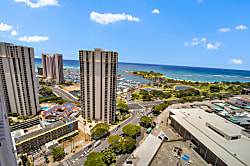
199, 124
44, 130
244, 120
146, 151
61, 110
245, 98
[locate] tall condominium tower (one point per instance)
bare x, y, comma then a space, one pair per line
17, 74
58, 68
53, 67
47, 67
7, 155
98, 76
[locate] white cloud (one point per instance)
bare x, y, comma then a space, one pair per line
224, 29
211, 46
195, 39
37, 57
155, 11
14, 33
235, 61
5, 27
107, 18
39, 3
186, 43
195, 43
200, 1
203, 39
33, 38
241, 27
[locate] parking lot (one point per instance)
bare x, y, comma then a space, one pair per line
166, 155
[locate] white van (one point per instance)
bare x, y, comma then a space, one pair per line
97, 143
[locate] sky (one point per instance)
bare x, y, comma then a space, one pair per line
204, 33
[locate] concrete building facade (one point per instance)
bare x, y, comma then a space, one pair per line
98, 79
47, 70
18, 77
217, 140
7, 155
55, 131
53, 67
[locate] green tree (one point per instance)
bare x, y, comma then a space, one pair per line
24, 159
156, 93
115, 142
123, 106
128, 144
109, 156
94, 159
159, 108
143, 92
134, 96
131, 130
99, 130
166, 95
10, 121
41, 82
57, 153
145, 121
89, 119
215, 88
48, 91
147, 97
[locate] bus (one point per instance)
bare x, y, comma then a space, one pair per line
149, 130
97, 143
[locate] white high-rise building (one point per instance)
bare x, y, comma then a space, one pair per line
18, 77
98, 77
7, 154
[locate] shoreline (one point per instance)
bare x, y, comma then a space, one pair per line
176, 79
166, 77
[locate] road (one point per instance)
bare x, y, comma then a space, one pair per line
134, 119
64, 94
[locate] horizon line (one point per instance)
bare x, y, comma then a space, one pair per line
172, 65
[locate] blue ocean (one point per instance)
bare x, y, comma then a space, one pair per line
175, 72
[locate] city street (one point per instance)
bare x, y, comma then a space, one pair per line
135, 121
64, 94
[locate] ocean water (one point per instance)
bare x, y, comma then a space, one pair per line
175, 72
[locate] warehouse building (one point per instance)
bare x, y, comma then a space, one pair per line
218, 141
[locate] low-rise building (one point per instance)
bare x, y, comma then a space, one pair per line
242, 100
35, 140
245, 91
218, 141
244, 121
40, 70
59, 111
26, 124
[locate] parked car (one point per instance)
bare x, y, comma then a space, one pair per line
163, 137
